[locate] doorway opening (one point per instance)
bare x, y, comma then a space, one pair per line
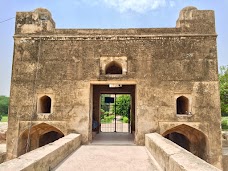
113, 112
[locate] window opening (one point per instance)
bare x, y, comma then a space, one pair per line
44, 105
182, 105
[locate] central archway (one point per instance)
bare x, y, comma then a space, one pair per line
190, 139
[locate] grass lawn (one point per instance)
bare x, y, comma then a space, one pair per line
4, 119
225, 123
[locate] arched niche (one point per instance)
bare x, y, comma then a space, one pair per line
44, 104
182, 105
113, 68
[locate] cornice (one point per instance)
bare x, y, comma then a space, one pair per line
108, 37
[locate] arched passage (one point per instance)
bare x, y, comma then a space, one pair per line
40, 135
182, 105
113, 68
189, 138
44, 104
179, 139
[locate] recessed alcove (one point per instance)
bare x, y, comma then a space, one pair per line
113, 66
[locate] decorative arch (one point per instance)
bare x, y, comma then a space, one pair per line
113, 68
182, 105
190, 139
40, 135
44, 104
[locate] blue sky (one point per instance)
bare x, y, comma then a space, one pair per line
105, 14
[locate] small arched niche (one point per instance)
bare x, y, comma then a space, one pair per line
182, 105
44, 104
113, 68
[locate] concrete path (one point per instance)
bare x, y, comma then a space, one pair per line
109, 158
114, 138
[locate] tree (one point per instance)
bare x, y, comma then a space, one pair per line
223, 78
4, 104
104, 106
123, 103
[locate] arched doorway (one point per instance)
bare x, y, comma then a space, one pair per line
190, 139
39, 135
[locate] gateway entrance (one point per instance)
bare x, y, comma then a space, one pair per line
113, 109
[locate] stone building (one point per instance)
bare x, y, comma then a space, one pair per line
170, 73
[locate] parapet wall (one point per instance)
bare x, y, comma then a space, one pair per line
191, 20
46, 157
172, 157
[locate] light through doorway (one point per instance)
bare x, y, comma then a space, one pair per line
115, 112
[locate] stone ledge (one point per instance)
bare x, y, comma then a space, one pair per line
51, 37
172, 157
46, 157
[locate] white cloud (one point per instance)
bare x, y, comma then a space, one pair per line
172, 3
139, 6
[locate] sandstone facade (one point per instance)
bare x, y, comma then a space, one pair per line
170, 73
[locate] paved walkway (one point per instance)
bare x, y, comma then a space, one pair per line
115, 138
109, 158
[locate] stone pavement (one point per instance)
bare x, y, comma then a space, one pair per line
117, 138
110, 158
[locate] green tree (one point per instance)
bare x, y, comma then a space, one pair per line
123, 103
4, 104
104, 107
223, 78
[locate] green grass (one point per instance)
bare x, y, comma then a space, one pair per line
4, 119
224, 123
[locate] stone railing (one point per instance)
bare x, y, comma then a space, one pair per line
46, 157
172, 157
